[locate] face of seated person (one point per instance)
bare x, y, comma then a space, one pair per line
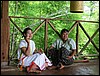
29, 34
64, 36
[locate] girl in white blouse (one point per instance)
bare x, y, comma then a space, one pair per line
28, 57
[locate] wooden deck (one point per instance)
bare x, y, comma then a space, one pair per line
88, 68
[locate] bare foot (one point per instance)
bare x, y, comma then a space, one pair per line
28, 69
52, 67
61, 66
34, 70
46, 64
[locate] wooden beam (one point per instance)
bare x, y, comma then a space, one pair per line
38, 27
16, 26
53, 19
54, 29
89, 55
5, 32
90, 39
73, 26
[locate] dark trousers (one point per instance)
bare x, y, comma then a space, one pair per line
60, 55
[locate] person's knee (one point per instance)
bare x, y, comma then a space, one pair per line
51, 52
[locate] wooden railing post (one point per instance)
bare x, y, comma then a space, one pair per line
46, 36
77, 37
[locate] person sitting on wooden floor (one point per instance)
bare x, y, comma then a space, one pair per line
33, 61
62, 51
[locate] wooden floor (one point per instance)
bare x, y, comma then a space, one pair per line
88, 68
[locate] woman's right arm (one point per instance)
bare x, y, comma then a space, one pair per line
26, 50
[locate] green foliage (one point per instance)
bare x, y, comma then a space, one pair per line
52, 9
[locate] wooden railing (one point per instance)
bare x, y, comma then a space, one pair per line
77, 23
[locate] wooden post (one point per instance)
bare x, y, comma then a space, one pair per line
77, 36
46, 35
5, 32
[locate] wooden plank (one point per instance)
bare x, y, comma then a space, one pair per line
87, 68
89, 55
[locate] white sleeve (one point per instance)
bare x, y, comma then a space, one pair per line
18, 53
72, 42
22, 44
33, 46
54, 44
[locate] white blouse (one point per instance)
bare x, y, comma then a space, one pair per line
23, 43
69, 44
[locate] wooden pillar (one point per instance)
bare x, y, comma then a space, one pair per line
5, 32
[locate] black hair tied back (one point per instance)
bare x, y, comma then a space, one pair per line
25, 31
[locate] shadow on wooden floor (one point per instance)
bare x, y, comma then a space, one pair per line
88, 68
